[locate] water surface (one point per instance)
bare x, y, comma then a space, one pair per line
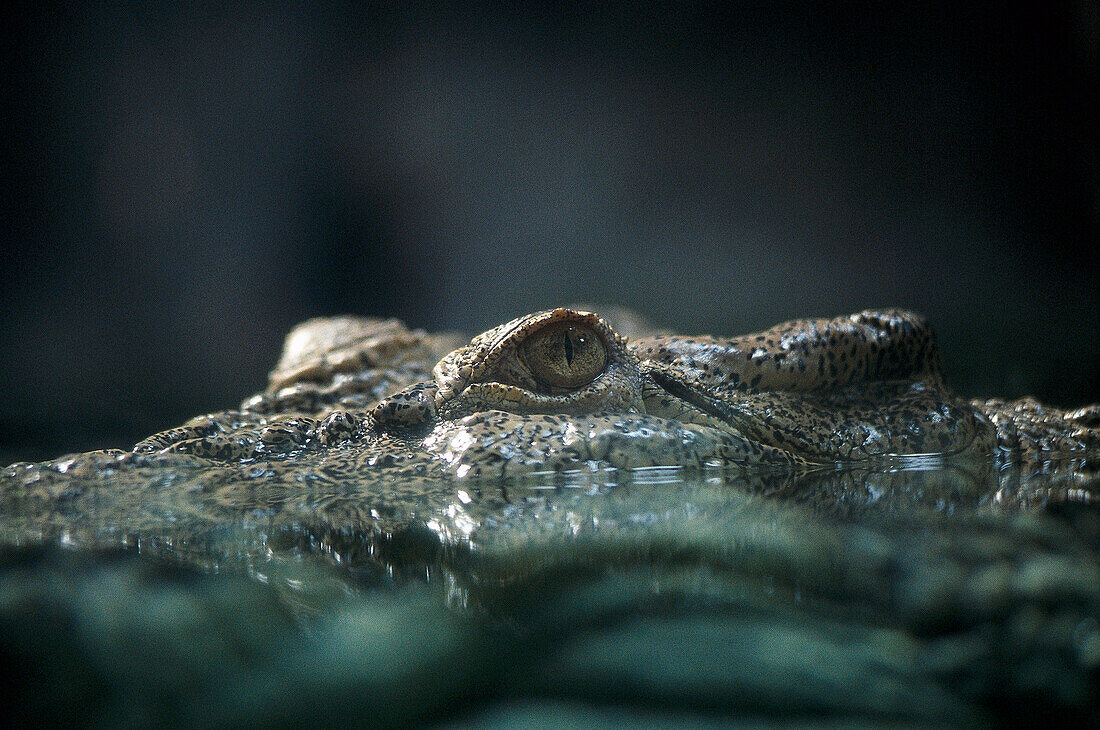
922, 592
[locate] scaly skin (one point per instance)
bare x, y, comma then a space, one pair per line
363, 395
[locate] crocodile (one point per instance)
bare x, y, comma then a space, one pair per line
567, 475
563, 389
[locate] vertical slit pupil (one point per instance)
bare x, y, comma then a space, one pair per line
568, 349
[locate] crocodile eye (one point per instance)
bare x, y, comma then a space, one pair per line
565, 355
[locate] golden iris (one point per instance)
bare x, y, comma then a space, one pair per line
564, 355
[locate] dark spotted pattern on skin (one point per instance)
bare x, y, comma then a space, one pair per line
495, 443
411, 408
804, 354
844, 424
209, 426
337, 427
1028, 427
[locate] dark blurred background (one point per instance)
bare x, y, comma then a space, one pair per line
182, 186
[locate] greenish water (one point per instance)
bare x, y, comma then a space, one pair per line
921, 594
